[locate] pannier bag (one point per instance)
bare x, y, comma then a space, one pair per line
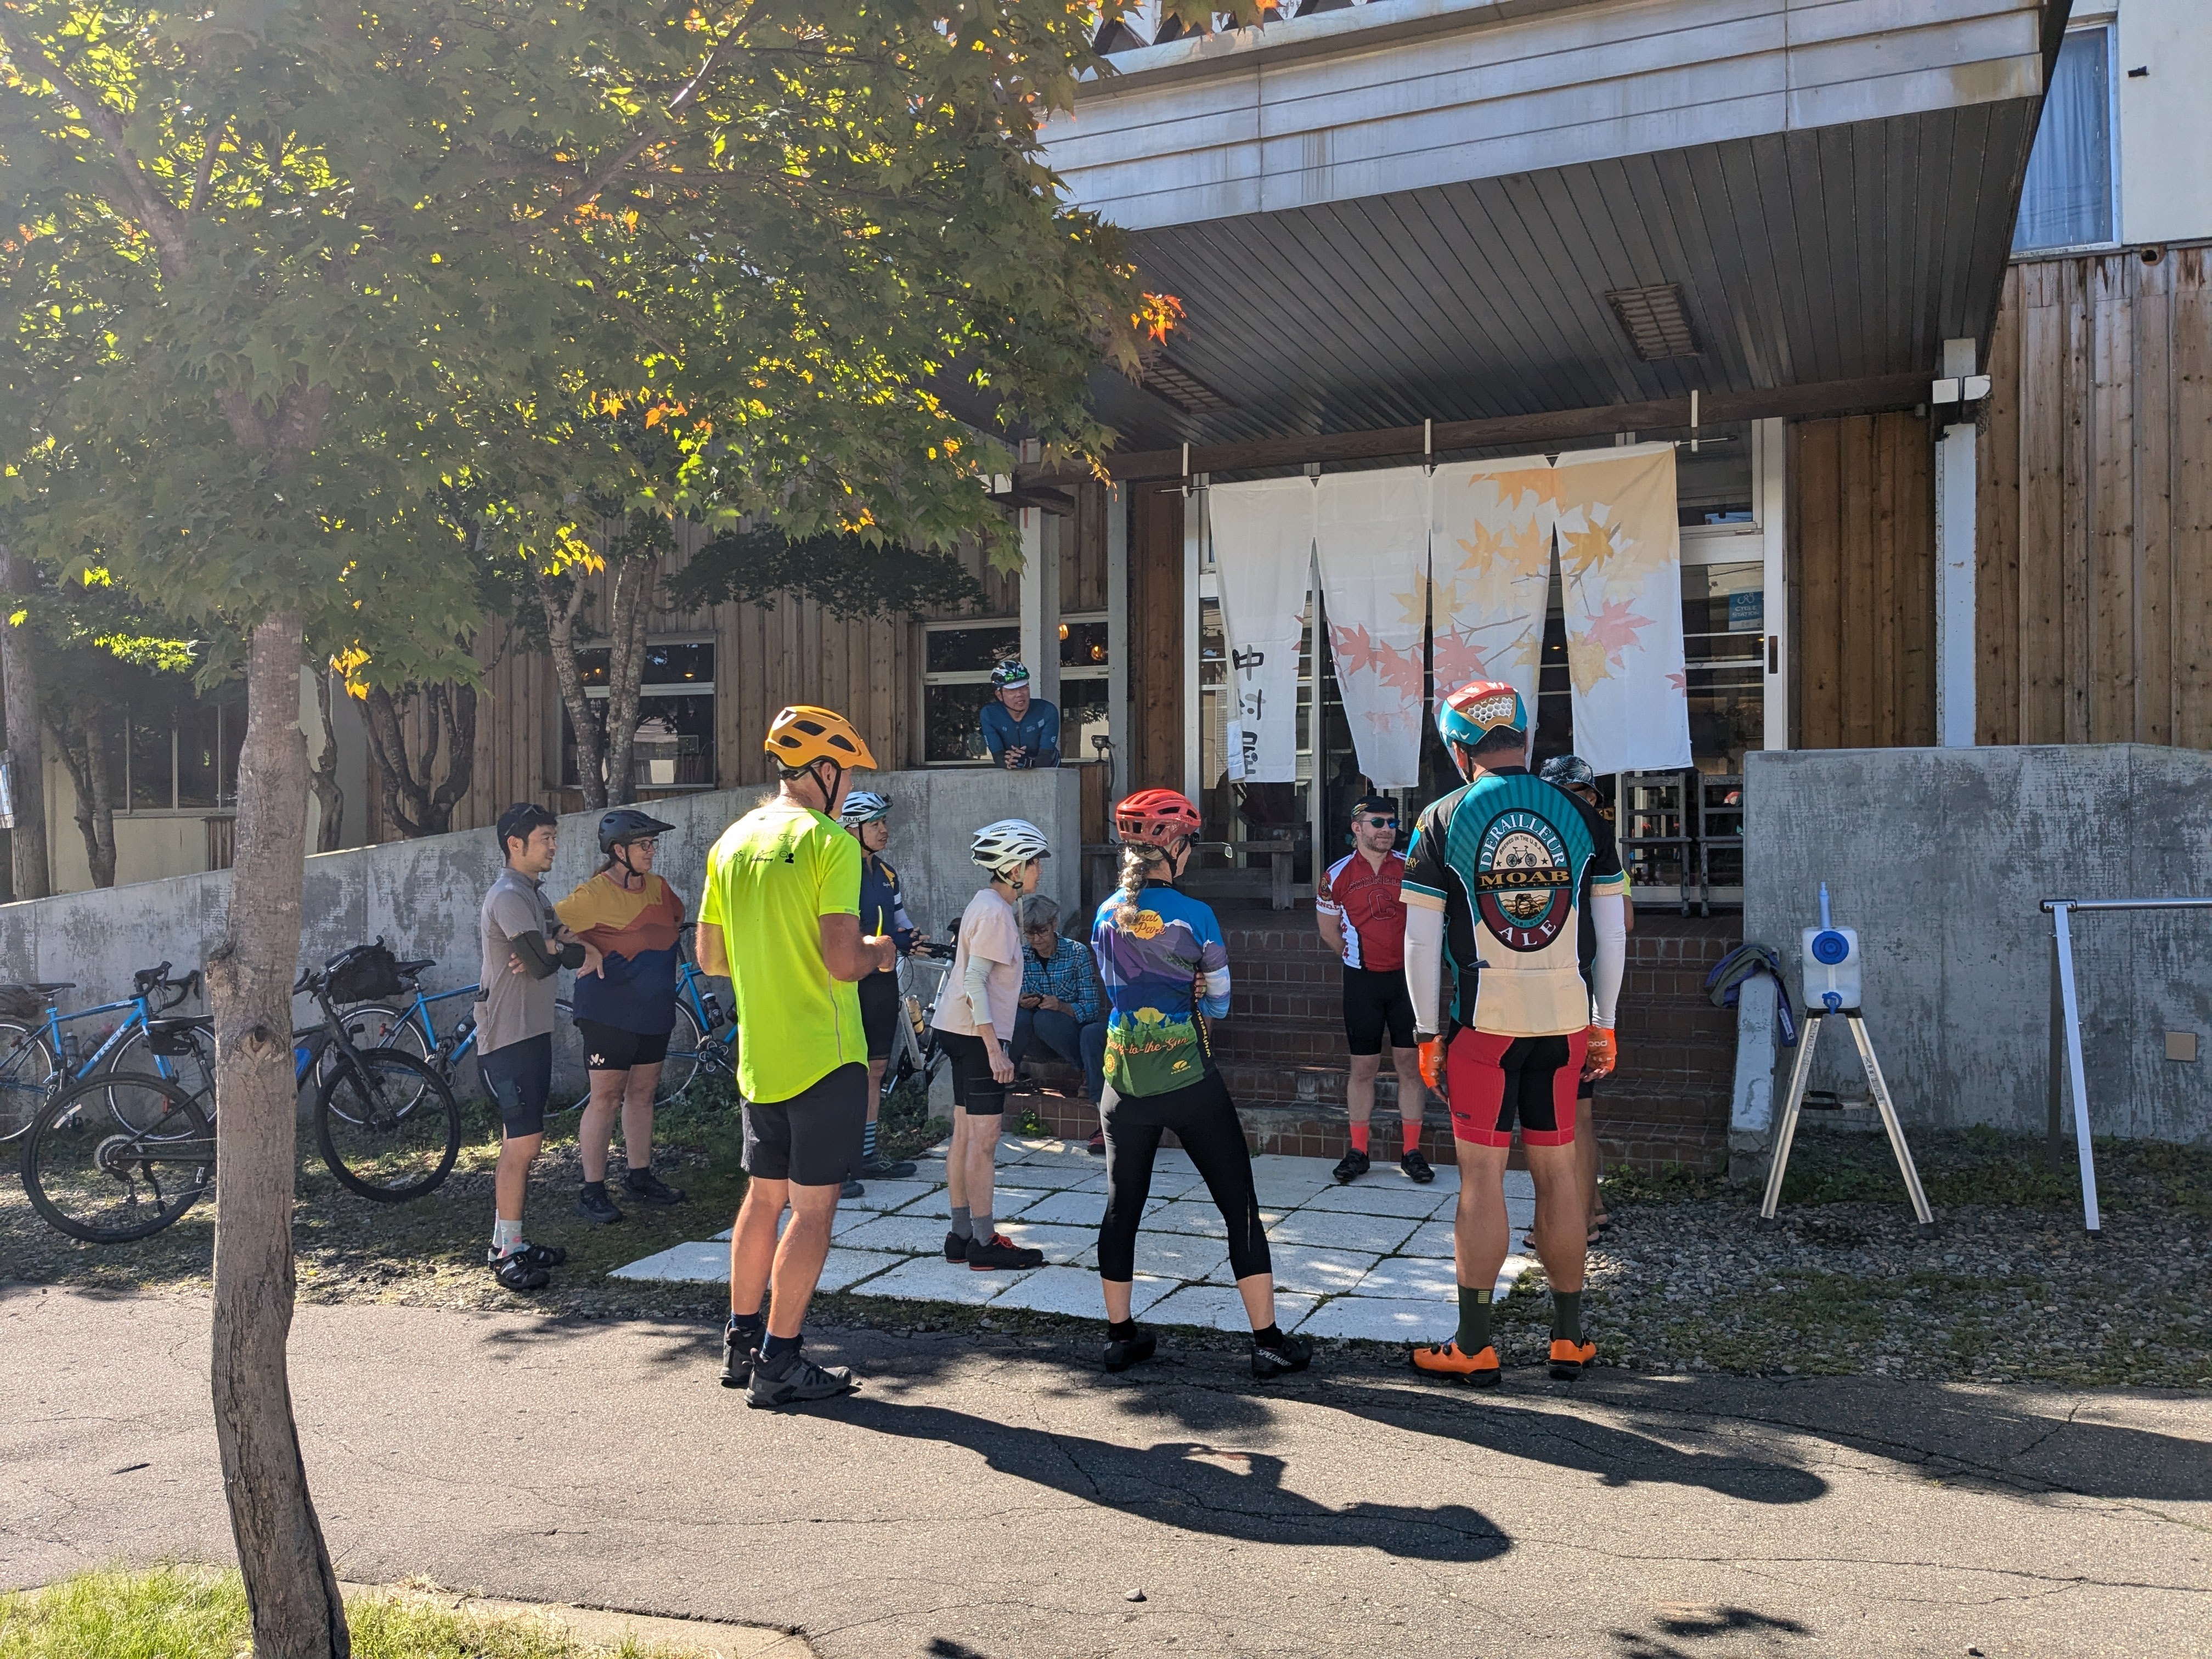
365, 974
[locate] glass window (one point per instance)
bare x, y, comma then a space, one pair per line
1083, 644
199, 755
673, 744
665, 664
2066, 200
1724, 641
971, 650
1082, 713
234, 744
951, 715
153, 755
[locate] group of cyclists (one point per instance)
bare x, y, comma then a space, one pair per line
1491, 953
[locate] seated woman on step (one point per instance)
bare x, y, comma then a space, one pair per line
1166, 973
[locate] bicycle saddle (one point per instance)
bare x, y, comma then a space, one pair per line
411, 969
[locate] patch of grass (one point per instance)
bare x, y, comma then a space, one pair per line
190, 1612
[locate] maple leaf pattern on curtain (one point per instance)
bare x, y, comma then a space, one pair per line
1620, 581
1490, 527
1371, 536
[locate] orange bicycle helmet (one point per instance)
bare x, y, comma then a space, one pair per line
803, 735
1157, 817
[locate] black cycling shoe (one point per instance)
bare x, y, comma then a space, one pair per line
1349, 1168
877, 1170
956, 1247
543, 1255
999, 1251
1417, 1167
519, 1272
740, 1353
792, 1379
1295, 1355
647, 1187
1134, 1350
593, 1204
853, 1189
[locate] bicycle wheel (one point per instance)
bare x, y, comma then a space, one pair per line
133, 1057
372, 1025
686, 1048
27, 1075
387, 1125
96, 1178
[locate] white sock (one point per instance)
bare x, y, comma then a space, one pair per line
505, 1236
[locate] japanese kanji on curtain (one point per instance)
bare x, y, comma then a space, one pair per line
1263, 538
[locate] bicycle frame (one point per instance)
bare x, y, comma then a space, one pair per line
140, 1014
418, 1013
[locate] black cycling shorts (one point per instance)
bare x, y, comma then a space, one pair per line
611, 1049
813, 1138
519, 1078
1375, 1002
975, 1091
880, 1010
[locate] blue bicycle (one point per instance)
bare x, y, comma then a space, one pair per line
39, 1056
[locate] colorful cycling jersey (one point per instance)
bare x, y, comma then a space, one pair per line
1368, 908
882, 903
1166, 973
636, 934
1513, 863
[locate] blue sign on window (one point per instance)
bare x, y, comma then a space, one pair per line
1747, 611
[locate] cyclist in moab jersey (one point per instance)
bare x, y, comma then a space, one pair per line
1514, 943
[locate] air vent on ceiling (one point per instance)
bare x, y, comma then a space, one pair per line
1655, 322
1172, 383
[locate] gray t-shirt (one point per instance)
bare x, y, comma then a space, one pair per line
514, 1007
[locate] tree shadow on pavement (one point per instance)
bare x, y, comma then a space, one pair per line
1674, 1626
1193, 1486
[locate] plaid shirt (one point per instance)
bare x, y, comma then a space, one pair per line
1068, 975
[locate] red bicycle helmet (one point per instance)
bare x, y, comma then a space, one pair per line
1157, 817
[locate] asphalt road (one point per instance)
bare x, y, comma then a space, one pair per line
1005, 1501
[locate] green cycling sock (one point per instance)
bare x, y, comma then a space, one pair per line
1567, 1314
1474, 1318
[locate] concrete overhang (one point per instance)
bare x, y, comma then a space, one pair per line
1416, 209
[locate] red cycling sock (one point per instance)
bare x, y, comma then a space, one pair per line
1359, 1138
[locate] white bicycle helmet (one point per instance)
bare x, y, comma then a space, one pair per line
1009, 844
863, 806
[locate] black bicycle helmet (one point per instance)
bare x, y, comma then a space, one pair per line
517, 822
626, 824
1569, 772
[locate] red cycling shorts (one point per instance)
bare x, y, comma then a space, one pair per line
1498, 1081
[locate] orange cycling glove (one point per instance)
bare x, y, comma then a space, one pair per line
1603, 1052
1432, 1062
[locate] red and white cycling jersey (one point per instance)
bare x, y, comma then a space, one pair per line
1365, 902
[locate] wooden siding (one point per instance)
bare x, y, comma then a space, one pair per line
1862, 546
2093, 562
1156, 646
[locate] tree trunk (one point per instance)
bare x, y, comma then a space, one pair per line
634, 579
330, 799
562, 605
19, 686
84, 752
411, 799
290, 1584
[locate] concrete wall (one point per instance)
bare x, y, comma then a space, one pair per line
2162, 118
422, 896
1939, 857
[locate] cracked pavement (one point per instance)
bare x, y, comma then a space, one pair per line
1001, 1498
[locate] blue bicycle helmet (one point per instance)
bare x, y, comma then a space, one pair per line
1474, 711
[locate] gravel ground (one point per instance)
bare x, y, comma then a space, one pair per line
2010, 1290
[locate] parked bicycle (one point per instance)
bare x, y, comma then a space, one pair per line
916, 1049
695, 1043
39, 1055
120, 1155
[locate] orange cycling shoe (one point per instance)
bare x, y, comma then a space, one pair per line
1571, 1359
1478, 1370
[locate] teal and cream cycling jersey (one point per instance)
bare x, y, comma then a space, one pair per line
1513, 864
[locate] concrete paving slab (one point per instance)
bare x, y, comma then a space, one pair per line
1175, 1256
1060, 1245
1076, 1208
907, 1235
1302, 1267
703, 1264
932, 1279
1381, 1319
1371, 1197
1042, 1176
1199, 1216
1430, 1239
1417, 1277
842, 1269
1074, 1292
1333, 1229
1005, 1201
1219, 1308
884, 1196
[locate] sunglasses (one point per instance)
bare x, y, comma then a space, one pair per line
1381, 823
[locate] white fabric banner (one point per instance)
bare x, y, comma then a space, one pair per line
1620, 578
1491, 558
1263, 557
1371, 536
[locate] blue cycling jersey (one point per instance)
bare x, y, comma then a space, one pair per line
1038, 732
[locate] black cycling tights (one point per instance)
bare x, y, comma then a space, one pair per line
1205, 1121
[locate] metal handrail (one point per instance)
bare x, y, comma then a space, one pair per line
2066, 1019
